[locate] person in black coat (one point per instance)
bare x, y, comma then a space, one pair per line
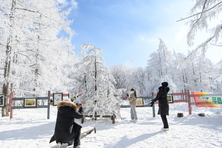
66, 130
163, 104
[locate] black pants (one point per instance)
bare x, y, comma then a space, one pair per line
164, 120
76, 131
76, 140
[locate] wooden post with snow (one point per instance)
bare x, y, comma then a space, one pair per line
189, 102
10, 103
153, 107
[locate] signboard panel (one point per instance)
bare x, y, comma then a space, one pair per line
57, 97
2, 100
204, 99
30, 102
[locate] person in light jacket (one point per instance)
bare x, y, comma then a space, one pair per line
132, 101
66, 129
163, 104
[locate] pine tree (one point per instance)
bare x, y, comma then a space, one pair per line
95, 84
160, 66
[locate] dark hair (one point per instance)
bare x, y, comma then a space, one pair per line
165, 84
134, 91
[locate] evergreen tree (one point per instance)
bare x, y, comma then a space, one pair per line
160, 66
94, 82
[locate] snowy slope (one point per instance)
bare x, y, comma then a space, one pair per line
31, 128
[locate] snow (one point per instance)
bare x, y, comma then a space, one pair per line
31, 128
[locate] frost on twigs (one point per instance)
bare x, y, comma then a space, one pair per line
205, 16
95, 83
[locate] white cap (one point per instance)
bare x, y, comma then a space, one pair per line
66, 99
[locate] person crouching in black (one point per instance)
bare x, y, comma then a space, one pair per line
163, 104
66, 130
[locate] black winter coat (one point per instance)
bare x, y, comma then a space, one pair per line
162, 99
66, 128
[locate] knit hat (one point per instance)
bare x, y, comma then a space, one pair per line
165, 84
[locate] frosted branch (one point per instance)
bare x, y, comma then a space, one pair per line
200, 12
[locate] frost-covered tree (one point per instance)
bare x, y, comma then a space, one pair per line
36, 56
153, 68
33, 52
94, 82
122, 76
216, 78
194, 73
180, 77
160, 66
205, 18
205, 15
139, 82
127, 78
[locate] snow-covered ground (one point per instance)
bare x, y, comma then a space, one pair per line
31, 128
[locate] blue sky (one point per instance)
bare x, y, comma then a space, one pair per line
129, 30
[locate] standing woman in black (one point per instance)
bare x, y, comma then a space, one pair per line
163, 104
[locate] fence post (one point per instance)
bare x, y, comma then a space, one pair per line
189, 102
153, 105
11, 104
48, 114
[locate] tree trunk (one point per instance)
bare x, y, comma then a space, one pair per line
95, 75
8, 60
6, 75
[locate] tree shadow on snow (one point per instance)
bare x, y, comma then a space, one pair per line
125, 142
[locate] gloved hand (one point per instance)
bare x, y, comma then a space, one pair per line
151, 103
